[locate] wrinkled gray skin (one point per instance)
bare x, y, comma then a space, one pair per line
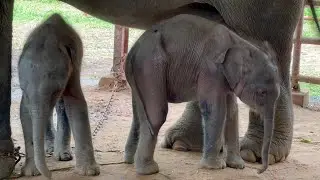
49, 69
273, 21
188, 58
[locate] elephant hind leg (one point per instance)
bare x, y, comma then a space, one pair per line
29, 167
157, 113
62, 150
154, 109
133, 137
77, 114
50, 137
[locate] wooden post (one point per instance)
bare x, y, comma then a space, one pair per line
121, 36
296, 56
298, 97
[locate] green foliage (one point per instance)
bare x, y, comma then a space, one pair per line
314, 89
309, 26
37, 10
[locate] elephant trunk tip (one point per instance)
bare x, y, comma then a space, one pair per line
264, 168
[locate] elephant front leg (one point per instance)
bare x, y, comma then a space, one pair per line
77, 113
62, 150
29, 167
234, 159
213, 118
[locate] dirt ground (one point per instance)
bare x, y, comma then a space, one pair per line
302, 163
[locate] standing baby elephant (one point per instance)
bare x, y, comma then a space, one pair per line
49, 69
190, 58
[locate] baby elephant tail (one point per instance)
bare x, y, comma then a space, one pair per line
40, 116
39, 153
153, 36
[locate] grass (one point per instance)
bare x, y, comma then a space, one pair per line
310, 30
309, 26
37, 10
314, 89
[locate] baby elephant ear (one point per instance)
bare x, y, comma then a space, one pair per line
233, 66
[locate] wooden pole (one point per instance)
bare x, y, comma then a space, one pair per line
117, 77
296, 55
121, 36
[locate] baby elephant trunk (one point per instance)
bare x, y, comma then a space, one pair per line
268, 117
40, 115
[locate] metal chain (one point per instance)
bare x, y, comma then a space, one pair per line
16, 155
101, 121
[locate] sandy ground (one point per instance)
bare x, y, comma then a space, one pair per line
303, 162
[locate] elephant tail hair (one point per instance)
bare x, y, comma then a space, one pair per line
129, 70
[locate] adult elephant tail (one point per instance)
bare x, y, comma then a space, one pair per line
314, 14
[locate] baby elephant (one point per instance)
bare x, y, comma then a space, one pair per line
190, 58
49, 70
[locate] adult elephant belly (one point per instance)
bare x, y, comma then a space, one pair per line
273, 21
132, 13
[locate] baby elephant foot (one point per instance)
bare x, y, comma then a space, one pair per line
88, 170
49, 147
146, 168
128, 158
63, 155
29, 169
235, 161
213, 163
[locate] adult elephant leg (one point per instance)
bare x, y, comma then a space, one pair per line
7, 163
186, 134
62, 150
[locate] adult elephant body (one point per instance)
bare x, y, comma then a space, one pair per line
272, 20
